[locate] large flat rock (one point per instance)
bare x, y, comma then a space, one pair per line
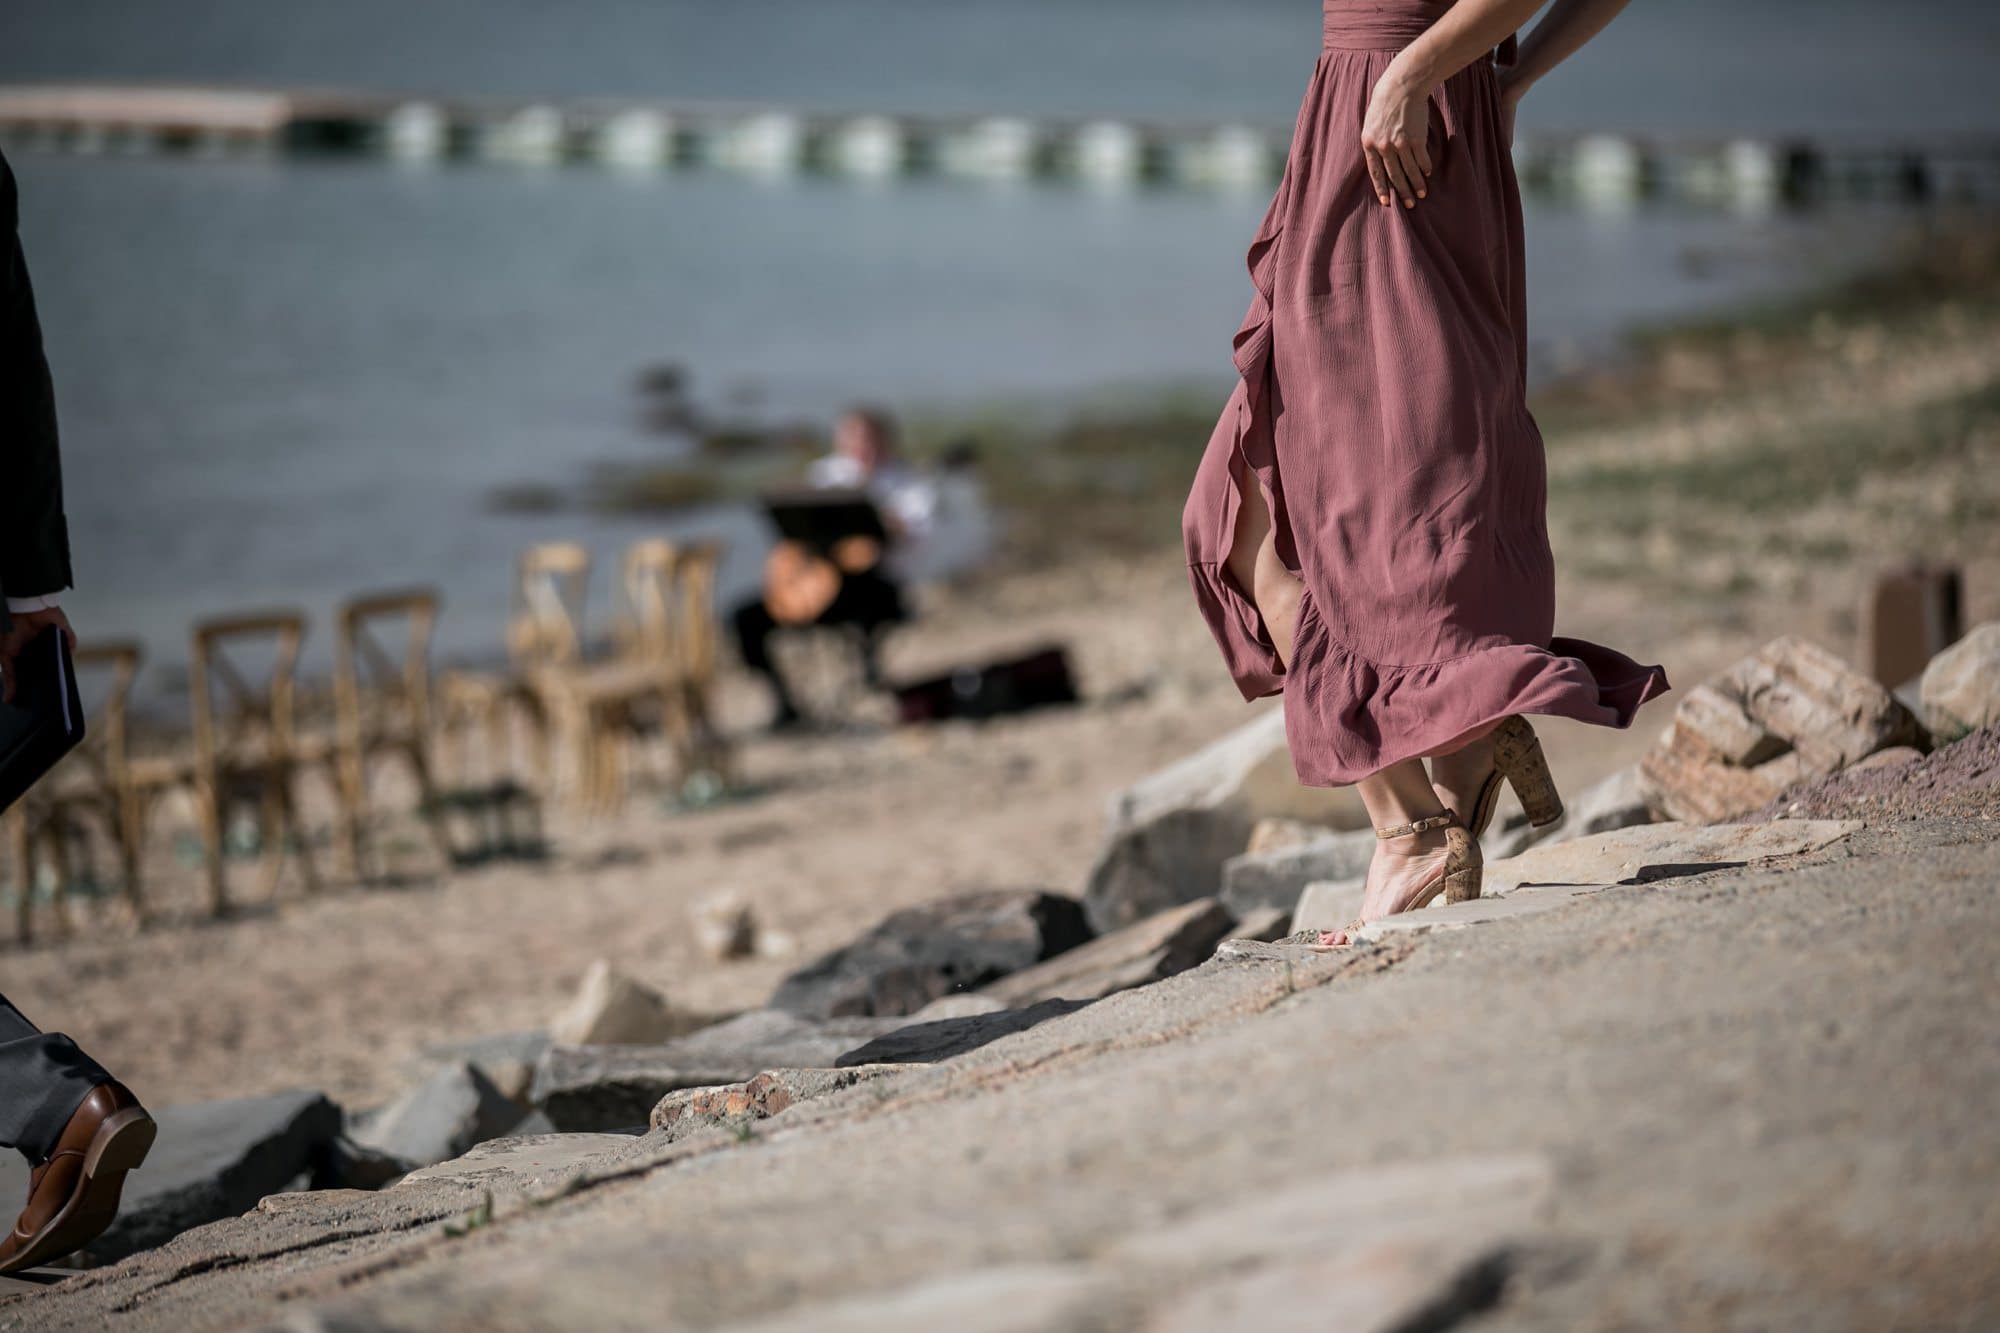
1278, 878
1662, 851
1152, 950
924, 953
943, 1038
1169, 835
582, 1088
212, 1160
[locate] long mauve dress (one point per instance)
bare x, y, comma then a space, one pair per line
1383, 412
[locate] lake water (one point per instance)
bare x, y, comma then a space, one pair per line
284, 382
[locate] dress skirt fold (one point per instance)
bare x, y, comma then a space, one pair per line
1381, 410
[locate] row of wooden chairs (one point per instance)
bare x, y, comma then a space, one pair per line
253, 735
246, 747
657, 672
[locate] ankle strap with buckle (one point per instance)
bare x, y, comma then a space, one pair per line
1445, 820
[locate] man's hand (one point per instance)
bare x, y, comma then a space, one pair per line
22, 627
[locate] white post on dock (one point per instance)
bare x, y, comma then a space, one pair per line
415, 132
870, 147
771, 143
997, 148
533, 136
1107, 152
638, 139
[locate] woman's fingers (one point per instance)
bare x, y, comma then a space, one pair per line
1399, 176
1376, 172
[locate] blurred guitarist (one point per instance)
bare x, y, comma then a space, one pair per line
857, 580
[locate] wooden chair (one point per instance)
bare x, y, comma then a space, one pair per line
544, 633
669, 595
246, 746
382, 708
100, 783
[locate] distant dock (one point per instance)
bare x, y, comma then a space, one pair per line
780, 141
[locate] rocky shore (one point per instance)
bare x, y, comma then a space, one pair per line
985, 1027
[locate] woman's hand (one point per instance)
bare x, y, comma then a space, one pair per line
1395, 138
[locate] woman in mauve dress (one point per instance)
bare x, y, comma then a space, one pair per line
1367, 533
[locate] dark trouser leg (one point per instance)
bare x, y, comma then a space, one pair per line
873, 603
754, 626
43, 1079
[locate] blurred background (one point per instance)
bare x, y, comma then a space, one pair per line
283, 376
383, 293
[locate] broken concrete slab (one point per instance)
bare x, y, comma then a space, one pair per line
1154, 949
212, 1160
440, 1118
926, 952
520, 1162
506, 1058
1662, 851
1960, 690
1028, 1298
612, 1009
1278, 878
774, 1090
1618, 801
1790, 712
1530, 900
1363, 1287
1170, 834
1262, 923
347, 1165
616, 1087
1368, 1204
928, 1043
1329, 905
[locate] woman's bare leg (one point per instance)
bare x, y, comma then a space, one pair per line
1256, 569
1460, 774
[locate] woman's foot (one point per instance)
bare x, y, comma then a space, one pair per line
1407, 872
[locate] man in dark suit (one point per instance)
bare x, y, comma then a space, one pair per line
79, 1127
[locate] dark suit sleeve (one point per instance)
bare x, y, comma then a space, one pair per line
34, 539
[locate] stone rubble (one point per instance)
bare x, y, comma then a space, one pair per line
1788, 713
440, 1118
1170, 834
923, 953
1151, 950
612, 1009
1960, 690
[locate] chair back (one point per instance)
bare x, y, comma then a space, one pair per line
669, 605
106, 747
551, 582
378, 691
243, 683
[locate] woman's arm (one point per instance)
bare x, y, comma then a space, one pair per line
1395, 135
1560, 35
1396, 132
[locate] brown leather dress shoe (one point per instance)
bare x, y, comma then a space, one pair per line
73, 1196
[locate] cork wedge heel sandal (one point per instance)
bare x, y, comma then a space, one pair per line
1518, 760
1457, 877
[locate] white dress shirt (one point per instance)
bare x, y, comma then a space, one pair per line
20, 605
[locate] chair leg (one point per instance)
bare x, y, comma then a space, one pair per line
22, 842
430, 811
351, 789
288, 813
56, 833
131, 820
208, 807
271, 832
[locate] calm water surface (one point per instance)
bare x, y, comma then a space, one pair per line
286, 382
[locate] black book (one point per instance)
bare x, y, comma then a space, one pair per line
44, 720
